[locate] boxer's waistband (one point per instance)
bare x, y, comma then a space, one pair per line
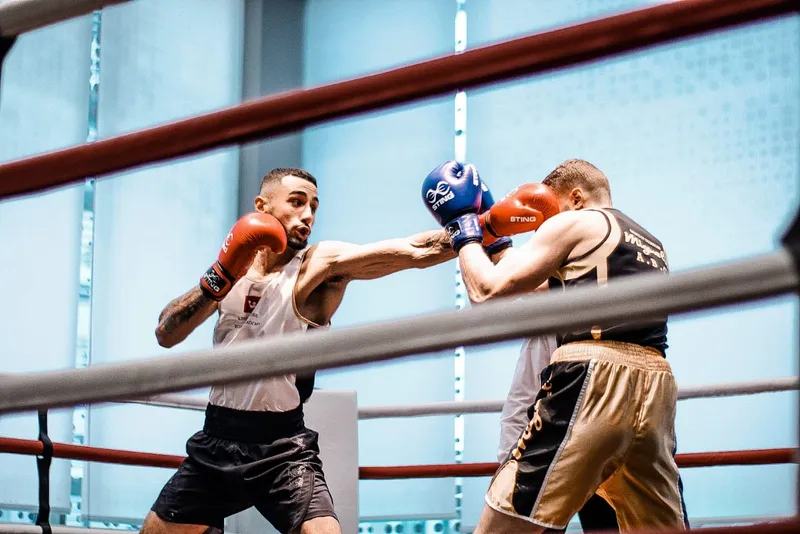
251, 426
620, 352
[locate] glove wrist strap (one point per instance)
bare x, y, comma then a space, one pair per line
488, 223
498, 246
216, 282
463, 230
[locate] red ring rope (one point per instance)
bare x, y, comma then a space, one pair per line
695, 459
90, 454
148, 459
292, 111
748, 457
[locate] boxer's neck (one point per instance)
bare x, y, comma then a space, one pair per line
267, 261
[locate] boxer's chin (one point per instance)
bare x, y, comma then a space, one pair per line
297, 244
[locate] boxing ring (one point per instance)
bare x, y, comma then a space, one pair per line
154, 381
758, 457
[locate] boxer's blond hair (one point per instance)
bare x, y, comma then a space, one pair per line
582, 174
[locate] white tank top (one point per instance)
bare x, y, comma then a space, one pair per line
259, 309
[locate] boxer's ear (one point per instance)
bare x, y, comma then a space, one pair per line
576, 199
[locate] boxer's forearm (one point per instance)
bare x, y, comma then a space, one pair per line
348, 261
478, 272
181, 316
521, 270
496, 258
432, 247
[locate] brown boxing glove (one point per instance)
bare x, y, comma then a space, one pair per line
250, 233
522, 210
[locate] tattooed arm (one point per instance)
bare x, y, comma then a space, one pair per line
181, 316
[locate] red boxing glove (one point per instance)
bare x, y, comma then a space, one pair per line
251, 232
522, 210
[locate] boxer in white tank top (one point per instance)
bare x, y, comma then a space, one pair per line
260, 306
254, 449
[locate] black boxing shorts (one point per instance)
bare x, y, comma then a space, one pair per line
241, 459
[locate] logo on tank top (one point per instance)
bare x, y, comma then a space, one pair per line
250, 302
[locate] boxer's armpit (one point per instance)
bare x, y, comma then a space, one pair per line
182, 315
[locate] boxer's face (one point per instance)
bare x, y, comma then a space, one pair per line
294, 203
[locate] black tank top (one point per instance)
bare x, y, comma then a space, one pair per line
626, 249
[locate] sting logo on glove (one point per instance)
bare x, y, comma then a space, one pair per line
452, 194
215, 281
250, 233
227, 242
442, 193
453, 230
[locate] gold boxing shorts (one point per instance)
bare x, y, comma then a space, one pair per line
603, 422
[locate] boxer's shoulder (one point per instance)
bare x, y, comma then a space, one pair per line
317, 267
319, 260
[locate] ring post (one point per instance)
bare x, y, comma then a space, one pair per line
43, 467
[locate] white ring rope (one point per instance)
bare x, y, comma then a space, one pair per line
20, 16
493, 406
173, 400
751, 387
731, 389
637, 298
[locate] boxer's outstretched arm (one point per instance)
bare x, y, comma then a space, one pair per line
524, 269
382, 258
181, 316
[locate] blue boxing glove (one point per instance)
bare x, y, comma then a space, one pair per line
497, 245
452, 193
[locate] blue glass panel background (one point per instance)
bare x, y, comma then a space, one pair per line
369, 170
157, 229
44, 103
699, 140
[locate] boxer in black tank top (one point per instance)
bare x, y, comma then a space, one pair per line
603, 422
626, 249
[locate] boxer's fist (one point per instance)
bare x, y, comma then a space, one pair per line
250, 233
491, 244
452, 194
450, 190
522, 210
